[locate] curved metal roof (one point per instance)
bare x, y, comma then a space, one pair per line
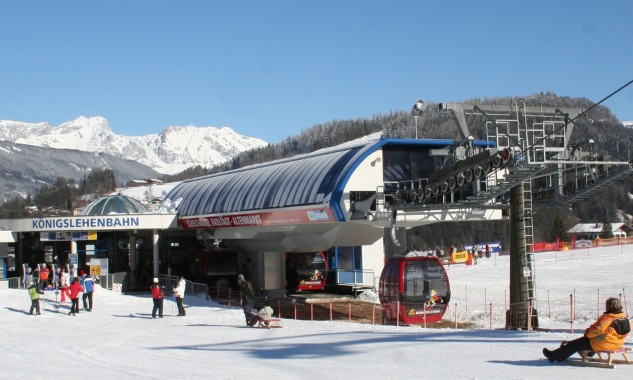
316, 178
305, 180
114, 204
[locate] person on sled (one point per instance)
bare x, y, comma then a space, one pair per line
606, 334
265, 314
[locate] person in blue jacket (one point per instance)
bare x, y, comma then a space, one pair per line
88, 285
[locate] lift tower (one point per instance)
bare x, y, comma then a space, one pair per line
531, 160
540, 139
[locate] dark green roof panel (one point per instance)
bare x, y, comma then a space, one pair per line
114, 204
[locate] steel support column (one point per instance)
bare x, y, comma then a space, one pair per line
521, 292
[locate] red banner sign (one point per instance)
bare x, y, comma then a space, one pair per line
274, 218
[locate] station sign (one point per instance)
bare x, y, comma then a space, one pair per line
85, 224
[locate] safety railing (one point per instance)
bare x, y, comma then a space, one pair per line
362, 312
192, 288
355, 277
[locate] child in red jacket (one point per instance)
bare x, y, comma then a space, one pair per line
158, 295
73, 291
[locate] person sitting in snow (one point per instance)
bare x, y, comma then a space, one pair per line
606, 334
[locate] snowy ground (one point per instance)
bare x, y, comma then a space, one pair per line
120, 340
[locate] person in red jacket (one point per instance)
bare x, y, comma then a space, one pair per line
158, 294
73, 291
606, 334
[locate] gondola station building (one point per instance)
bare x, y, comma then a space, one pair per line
327, 218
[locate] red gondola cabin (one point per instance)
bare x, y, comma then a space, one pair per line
306, 270
414, 290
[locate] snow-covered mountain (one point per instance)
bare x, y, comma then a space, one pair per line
173, 150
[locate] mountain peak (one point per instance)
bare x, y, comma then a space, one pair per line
173, 150
93, 122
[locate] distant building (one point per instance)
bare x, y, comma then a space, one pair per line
628, 124
136, 183
154, 204
590, 231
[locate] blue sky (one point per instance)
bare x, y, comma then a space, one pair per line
271, 69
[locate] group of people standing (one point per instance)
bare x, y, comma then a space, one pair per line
43, 278
69, 286
158, 296
72, 286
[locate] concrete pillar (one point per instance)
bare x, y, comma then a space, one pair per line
156, 256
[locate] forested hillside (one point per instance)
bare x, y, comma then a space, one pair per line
61, 197
612, 203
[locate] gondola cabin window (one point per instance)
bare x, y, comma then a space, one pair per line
423, 277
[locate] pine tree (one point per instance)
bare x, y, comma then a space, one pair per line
558, 229
607, 228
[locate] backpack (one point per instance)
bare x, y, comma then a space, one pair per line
622, 326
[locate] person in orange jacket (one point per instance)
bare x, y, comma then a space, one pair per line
606, 334
73, 291
44, 276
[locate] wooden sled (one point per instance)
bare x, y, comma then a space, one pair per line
605, 359
272, 322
